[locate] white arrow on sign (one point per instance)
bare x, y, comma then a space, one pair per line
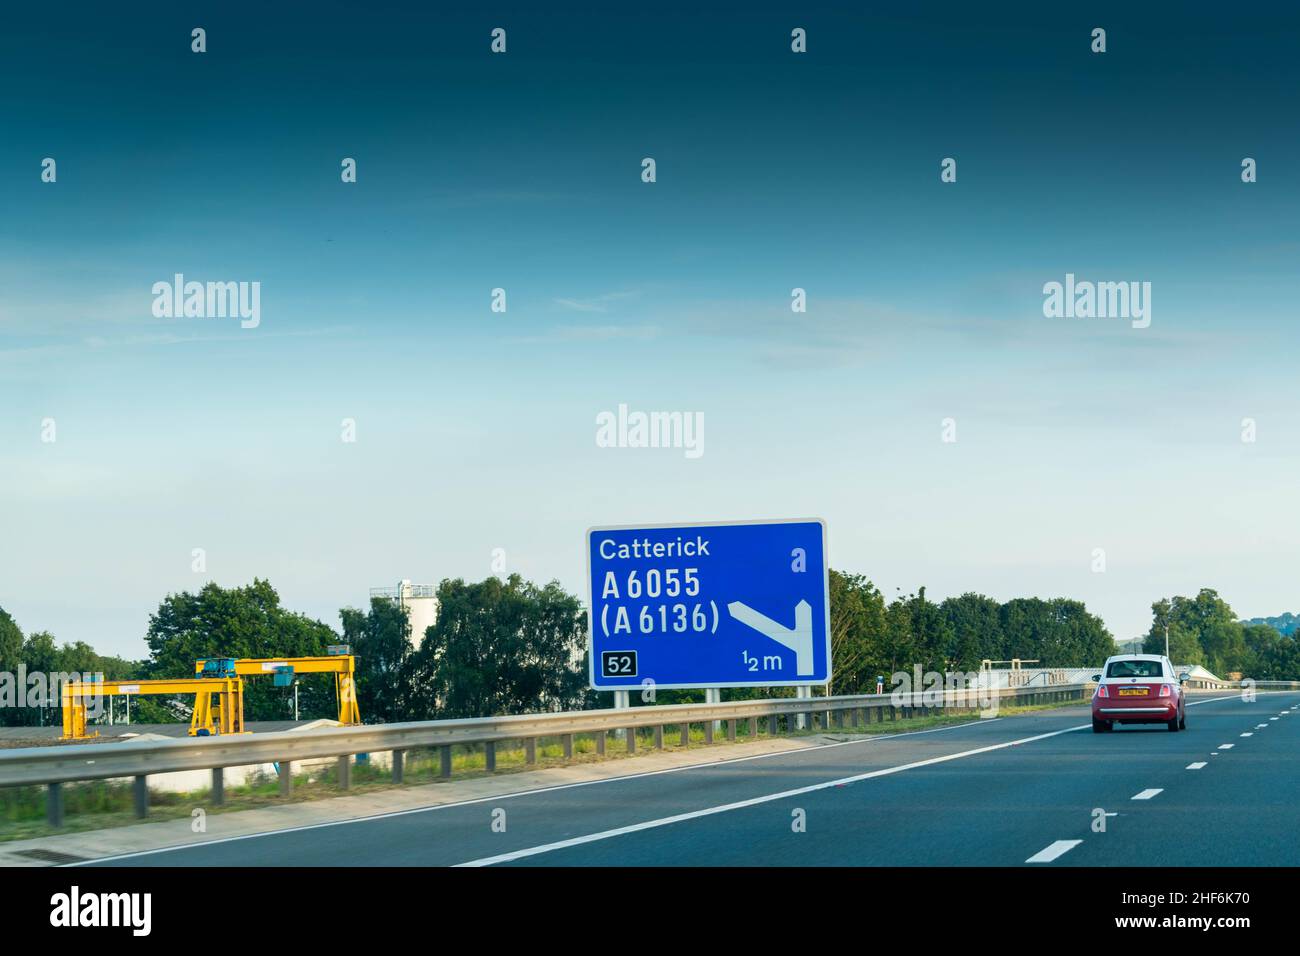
799, 639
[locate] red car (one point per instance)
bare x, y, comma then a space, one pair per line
1138, 689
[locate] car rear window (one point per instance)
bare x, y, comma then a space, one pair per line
1134, 669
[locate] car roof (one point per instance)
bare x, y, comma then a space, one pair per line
1135, 657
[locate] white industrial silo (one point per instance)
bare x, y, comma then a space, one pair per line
418, 600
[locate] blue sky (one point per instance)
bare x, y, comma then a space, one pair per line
475, 430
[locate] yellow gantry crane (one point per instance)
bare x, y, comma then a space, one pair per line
342, 666
228, 712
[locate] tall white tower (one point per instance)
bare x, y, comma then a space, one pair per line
420, 603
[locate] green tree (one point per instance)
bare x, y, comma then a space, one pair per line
11, 642
241, 622
40, 656
1263, 644
918, 633
1278, 661
381, 640
500, 647
1057, 633
858, 634
37, 655
1202, 630
976, 623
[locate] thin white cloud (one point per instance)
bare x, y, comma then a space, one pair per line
598, 303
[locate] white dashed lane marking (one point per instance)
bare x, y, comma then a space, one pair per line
1196, 766
1147, 794
1226, 746
1050, 852
1248, 734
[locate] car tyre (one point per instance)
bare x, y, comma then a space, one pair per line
1173, 725
1100, 726
1182, 722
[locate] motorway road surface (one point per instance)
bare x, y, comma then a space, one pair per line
1006, 792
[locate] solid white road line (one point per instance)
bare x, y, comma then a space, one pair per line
1147, 794
528, 793
754, 801
1050, 852
1196, 766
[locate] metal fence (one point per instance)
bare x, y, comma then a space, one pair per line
54, 766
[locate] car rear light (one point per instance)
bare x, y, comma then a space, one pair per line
1101, 691
1166, 690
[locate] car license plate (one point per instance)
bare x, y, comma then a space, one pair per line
1132, 692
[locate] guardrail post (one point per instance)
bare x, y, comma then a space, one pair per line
772, 720
686, 734
600, 742
444, 761
708, 731
218, 786
731, 730
530, 751
54, 804
567, 740
345, 771
399, 759
286, 778
659, 737
490, 756
631, 740
753, 726
142, 795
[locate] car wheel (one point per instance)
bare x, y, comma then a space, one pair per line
1173, 725
1182, 722
1099, 726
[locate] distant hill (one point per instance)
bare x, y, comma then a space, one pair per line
1287, 623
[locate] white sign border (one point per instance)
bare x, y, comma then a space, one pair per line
591, 634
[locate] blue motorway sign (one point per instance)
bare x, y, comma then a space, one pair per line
709, 605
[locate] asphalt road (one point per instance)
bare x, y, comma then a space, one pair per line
993, 793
